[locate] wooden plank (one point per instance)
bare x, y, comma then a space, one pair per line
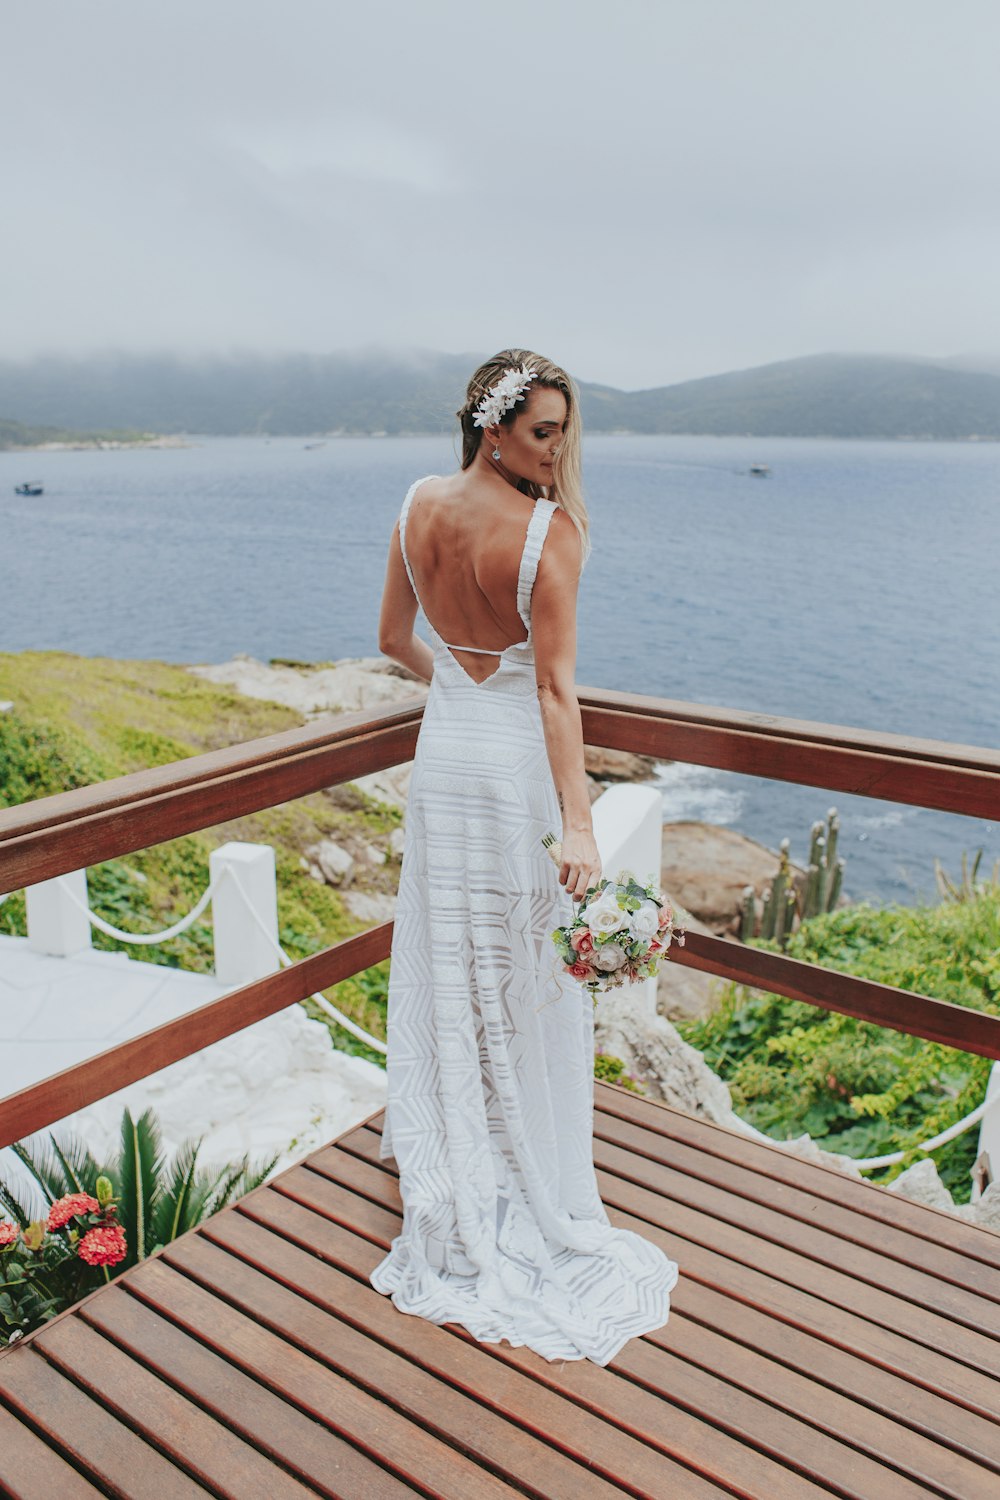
882, 1004
903, 746
53, 1098
243, 1405
71, 830
191, 1439
371, 1424
837, 1223
952, 1235
864, 772
29, 1468
87, 1434
699, 1445
770, 1218
726, 1259
270, 1238
484, 1436
890, 1432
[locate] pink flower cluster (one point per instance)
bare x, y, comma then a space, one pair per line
103, 1246
67, 1208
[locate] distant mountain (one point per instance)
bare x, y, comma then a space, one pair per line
825, 395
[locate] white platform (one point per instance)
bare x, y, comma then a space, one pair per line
278, 1085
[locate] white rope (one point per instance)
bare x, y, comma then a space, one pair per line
147, 937
935, 1141
321, 1000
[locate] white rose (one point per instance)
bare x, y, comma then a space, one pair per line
605, 916
643, 924
609, 958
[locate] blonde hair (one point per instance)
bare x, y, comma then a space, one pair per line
566, 488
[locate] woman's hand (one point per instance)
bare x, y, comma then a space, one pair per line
581, 864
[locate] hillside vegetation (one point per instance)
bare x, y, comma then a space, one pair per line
77, 720
829, 395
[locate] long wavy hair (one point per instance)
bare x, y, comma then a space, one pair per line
566, 488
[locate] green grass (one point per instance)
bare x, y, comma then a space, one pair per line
857, 1088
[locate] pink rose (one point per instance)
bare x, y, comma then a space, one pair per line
581, 971
666, 916
581, 941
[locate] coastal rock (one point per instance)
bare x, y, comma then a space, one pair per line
370, 906
683, 993
330, 863
617, 765
656, 1054
922, 1183
345, 687
706, 867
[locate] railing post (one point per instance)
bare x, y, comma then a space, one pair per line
628, 827
56, 925
989, 1129
242, 951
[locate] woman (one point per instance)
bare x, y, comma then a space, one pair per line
490, 1063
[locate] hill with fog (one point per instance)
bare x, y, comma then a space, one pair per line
825, 395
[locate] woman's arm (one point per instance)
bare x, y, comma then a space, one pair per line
399, 610
553, 629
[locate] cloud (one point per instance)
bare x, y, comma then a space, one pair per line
648, 191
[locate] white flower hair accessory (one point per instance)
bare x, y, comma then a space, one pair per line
509, 389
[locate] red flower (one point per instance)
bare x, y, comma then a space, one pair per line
103, 1247
8, 1234
67, 1208
581, 971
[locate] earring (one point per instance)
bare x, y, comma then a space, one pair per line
496, 454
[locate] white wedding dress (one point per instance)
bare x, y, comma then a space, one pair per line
490, 1063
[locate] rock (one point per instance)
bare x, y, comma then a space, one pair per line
706, 868
683, 993
618, 765
397, 839
330, 863
370, 906
372, 854
655, 1053
346, 687
986, 1209
922, 1183
389, 786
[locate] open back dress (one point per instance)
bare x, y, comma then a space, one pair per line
490, 1045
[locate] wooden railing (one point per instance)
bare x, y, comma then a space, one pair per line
50, 837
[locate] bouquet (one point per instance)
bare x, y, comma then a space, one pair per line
620, 931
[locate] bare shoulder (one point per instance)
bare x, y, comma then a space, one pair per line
561, 552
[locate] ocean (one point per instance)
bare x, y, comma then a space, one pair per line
854, 584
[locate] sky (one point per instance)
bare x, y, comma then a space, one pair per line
646, 191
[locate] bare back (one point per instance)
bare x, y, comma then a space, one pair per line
464, 544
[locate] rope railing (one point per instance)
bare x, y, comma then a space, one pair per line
149, 938
336, 1015
935, 1141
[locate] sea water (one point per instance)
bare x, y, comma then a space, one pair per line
854, 584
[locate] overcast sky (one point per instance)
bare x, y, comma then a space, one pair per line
644, 190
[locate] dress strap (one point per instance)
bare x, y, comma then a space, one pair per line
533, 542
402, 529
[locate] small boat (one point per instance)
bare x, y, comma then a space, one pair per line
761, 470
314, 445
33, 487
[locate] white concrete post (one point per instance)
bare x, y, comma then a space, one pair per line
242, 952
989, 1127
57, 926
628, 827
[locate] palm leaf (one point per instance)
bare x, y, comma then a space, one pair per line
173, 1213
139, 1171
240, 1180
79, 1167
39, 1163
14, 1207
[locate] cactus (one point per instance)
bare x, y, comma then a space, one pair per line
748, 913
836, 880
833, 828
767, 915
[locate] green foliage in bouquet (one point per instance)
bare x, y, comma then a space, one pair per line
855, 1087
43, 1268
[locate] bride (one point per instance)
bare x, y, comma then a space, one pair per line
490, 1044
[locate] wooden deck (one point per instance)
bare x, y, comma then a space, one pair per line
825, 1337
